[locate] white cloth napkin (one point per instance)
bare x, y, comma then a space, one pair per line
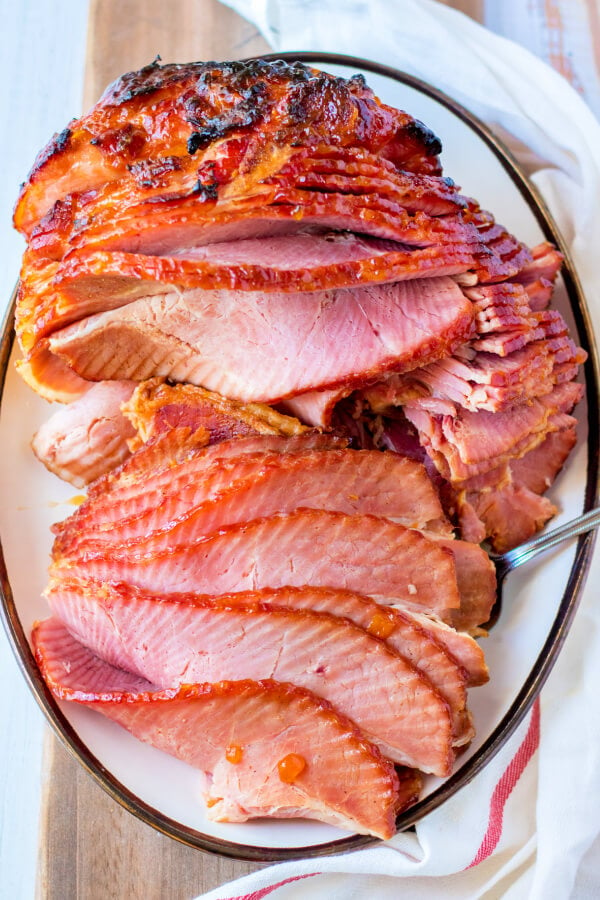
526, 826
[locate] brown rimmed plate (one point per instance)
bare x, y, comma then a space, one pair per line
539, 601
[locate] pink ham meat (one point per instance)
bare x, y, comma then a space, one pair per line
99, 280
200, 499
418, 642
176, 643
364, 554
316, 407
490, 382
475, 442
460, 645
89, 437
187, 337
122, 492
203, 724
476, 581
505, 504
89, 282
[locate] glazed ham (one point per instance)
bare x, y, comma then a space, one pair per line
365, 554
240, 734
261, 484
205, 103
123, 494
418, 642
175, 643
340, 359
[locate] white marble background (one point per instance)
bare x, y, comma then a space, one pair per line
43, 52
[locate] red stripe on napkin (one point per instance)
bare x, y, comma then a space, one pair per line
263, 892
504, 787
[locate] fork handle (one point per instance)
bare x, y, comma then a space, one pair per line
529, 549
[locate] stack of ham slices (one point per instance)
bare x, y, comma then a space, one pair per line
247, 280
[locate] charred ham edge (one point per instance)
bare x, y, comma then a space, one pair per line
88, 438
200, 499
276, 177
266, 720
394, 704
157, 406
206, 103
364, 554
181, 337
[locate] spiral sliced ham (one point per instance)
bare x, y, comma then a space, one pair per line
258, 485
417, 641
266, 248
364, 554
177, 643
204, 724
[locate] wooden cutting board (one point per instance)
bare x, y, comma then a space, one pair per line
90, 847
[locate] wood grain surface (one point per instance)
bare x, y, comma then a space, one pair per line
126, 34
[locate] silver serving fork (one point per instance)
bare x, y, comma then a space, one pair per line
507, 562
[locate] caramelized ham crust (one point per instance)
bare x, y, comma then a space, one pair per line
416, 639
124, 492
239, 733
195, 105
156, 406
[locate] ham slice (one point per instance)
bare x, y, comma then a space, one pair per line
119, 494
199, 500
176, 643
414, 638
505, 505
284, 340
89, 437
363, 554
156, 406
472, 443
239, 734
166, 225
94, 281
